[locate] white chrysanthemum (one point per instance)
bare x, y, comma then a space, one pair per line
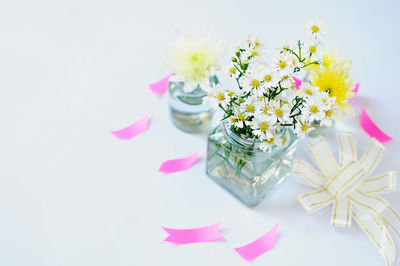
315, 29
194, 59
217, 96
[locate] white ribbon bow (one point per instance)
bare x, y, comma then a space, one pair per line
351, 190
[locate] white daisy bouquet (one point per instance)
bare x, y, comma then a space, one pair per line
265, 105
193, 59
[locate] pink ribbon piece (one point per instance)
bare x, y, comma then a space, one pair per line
195, 235
160, 86
371, 128
259, 246
356, 87
136, 128
180, 164
297, 82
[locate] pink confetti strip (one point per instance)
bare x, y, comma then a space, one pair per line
297, 82
134, 129
259, 246
356, 87
160, 86
371, 128
180, 164
195, 235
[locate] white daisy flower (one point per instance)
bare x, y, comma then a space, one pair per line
315, 29
313, 49
303, 128
262, 109
271, 77
217, 96
287, 82
249, 105
231, 71
253, 82
307, 90
238, 119
313, 109
269, 144
284, 64
262, 128
278, 111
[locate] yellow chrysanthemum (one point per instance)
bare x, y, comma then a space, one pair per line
333, 77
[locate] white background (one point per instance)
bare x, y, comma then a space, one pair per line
72, 194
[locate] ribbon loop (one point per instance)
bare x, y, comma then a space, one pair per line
304, 173
341, 213
380, 184
319, 151
347, 149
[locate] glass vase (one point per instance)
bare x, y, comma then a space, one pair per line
238, 165
187, 110
321, 130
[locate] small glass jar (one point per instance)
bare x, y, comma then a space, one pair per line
238, 165
187, 110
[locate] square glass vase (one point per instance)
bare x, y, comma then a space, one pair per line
239, 166
187, 110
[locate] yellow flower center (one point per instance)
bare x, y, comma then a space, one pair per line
315, 28
220, 96
257, 43
254, 53
233, 119
279, 112
232, 70
282, 64
312, 49
264, 127
314, 109
267, 78
246, 62
265, 110
309, 92
270, 141
328, 113
241, 117
250, 108
255, 83
304, 127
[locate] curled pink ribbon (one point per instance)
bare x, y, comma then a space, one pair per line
180, 164
297, 82
356, 87
259, 246
160, 86
371, 128
195, 235
136, 128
